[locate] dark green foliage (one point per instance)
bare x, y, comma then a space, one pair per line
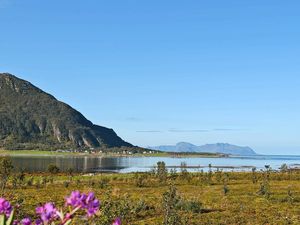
44, 181
30, 182
209, 174
170, 207
264, 189
193, 205
53, 169
104, 182
140, 180
225, 189
66, 184
18, 179
111, 209
162, 172
265, 184
5, 172
173, 174
70, 172
38, 183
33, 119
184, 172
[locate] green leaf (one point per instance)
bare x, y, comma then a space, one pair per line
69, 222
2, 220
11, 218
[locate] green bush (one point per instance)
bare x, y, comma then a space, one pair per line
53, 169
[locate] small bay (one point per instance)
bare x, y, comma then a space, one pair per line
91, 164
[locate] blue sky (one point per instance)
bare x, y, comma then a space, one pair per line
160, 72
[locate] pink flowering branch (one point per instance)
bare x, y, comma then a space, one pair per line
49, 214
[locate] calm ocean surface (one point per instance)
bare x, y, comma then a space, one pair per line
139, 164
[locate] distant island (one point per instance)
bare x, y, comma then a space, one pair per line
33, 119
222, 148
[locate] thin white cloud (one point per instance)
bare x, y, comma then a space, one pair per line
228, 129
187, 131
174, 130
148, 131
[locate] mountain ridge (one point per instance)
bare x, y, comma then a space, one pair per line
223, 148
32, 118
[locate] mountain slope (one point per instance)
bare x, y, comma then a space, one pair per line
209, 148
31, 118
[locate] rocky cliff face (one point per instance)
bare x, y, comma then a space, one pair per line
31, 118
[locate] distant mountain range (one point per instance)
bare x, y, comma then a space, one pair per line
208, 148
33, 119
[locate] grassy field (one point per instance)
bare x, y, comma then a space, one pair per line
31, 152
201, 198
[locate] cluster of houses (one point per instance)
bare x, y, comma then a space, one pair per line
94, 151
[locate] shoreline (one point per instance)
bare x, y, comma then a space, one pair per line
33, 153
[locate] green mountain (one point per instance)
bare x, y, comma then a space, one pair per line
33, 119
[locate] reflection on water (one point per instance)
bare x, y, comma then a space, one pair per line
78, 164
134, 164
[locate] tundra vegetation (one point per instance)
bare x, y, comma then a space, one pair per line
161, 196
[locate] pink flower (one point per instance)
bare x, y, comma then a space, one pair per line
83, 201
48, 212
5, 207
75, 199
92, 204
117, 222
26, 221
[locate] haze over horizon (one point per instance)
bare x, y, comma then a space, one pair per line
164, 72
